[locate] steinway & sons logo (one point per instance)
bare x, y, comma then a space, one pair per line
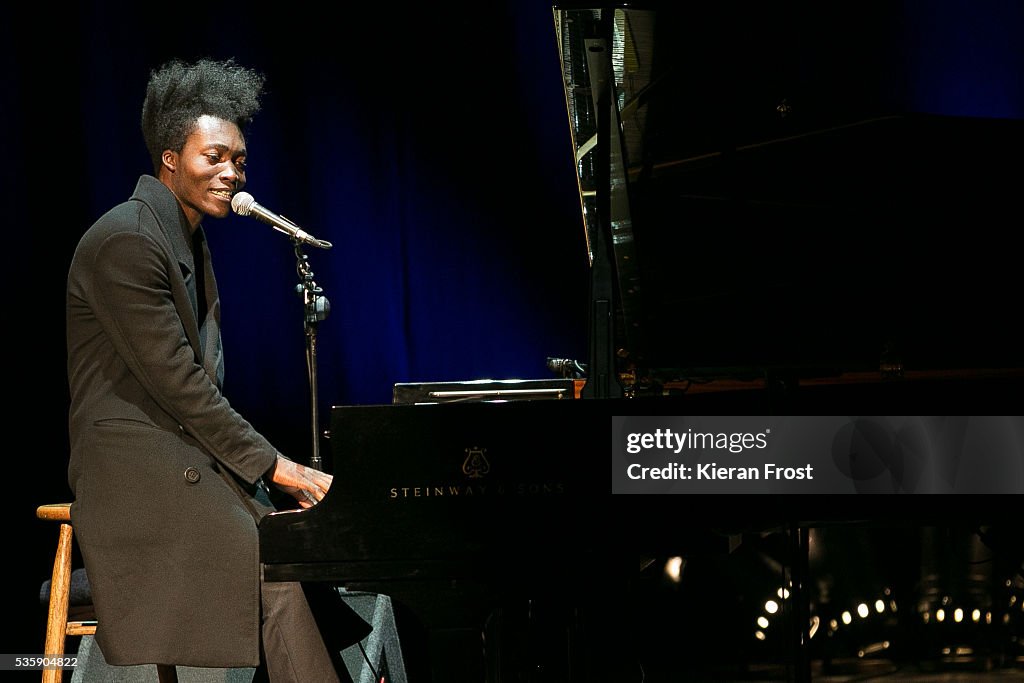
476, 467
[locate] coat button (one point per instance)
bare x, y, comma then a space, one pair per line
191, 475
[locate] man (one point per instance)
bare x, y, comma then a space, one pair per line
168, 478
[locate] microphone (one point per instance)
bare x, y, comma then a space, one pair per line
244, 204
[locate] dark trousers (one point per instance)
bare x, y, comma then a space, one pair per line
292, 648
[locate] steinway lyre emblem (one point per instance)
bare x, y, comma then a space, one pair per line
476, 465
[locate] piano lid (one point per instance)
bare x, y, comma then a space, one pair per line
768, 199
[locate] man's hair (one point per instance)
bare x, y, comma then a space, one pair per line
179, 93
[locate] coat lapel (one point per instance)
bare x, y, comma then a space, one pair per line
203, 335
209, 327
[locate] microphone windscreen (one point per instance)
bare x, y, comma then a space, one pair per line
242, 203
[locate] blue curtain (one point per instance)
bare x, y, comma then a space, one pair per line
429, 144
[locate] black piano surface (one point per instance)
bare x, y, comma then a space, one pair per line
761, 188
522, 489
513, 493
519, 488
457, 510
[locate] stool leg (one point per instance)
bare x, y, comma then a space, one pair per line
57, 615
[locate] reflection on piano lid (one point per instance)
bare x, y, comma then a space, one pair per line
483, 390
761, 194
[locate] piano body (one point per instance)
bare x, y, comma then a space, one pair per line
762, 219
455, 510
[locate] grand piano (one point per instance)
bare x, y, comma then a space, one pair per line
772, 230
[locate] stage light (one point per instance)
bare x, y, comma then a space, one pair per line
783, 593
879, 606
958, 615
976, 616
771, 607
940, 615
762, 622
759, 635
674, 569
846, 617
862, 610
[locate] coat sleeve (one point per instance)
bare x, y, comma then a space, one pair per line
134, 290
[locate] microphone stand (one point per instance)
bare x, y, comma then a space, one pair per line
316, 307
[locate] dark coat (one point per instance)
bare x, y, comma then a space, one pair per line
166, 475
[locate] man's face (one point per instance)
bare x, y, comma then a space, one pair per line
209, 169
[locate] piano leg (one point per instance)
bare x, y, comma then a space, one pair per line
456, 655
549, 641
800, 541
531, 640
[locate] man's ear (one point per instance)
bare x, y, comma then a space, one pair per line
169, 160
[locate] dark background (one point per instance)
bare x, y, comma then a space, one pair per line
428, 143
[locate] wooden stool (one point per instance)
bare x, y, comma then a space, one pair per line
58, 628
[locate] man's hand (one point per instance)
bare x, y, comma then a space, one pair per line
305, 484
